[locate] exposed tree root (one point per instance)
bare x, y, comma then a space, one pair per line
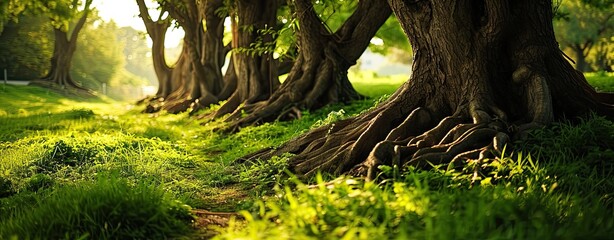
416, 141
65, 89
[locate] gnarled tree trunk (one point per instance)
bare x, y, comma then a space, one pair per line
166, 83
485, 72
204, 31
256, 73
319, 74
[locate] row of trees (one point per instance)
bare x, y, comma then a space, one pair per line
324, 44
37, 39
484, 72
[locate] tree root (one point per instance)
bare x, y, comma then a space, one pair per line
454, 140
358, 146
66, 89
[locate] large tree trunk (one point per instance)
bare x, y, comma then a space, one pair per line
176, 83
256, 73
164, 73
204, 31
485, 72
319, 74
61, 60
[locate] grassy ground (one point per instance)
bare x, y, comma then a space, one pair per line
94, 168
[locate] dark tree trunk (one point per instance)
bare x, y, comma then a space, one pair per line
580, 57
230, 81
205, 54
319, 74
157, 32
166, 83
485, 72
61, 60
175, 83
256, 73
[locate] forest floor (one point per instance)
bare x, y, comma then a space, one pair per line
93, 168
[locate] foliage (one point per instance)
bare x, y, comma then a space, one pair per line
11, 10
587, 27
26, 48
60, 12
99, 54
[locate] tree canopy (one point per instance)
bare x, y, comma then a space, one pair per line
586, 28
26, 47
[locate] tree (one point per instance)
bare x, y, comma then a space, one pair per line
137, 54
26, 47
99, 45
253, 23
205, 53
60, 14
582, 26
169, 78
484, 72
319, 74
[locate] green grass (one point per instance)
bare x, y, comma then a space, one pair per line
562, 194
74, 163
108, 208
51, 145
371, 85
602, 81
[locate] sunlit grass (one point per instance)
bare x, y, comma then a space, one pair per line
374, 86
602, 81
107, 208
53, 146
536, 192
50, 142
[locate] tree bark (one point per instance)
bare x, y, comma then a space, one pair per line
169, 78
319, 74
204, 31
256, 73
63, 52
485, 72
157, 32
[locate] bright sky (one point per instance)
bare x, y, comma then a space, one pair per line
125, 13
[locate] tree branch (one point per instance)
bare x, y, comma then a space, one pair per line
81, 22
